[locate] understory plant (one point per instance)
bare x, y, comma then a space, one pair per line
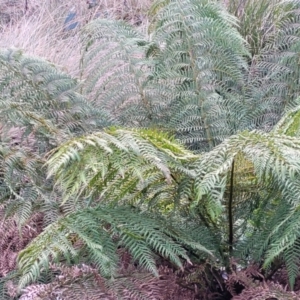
172, 160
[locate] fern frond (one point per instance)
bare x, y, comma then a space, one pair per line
273, 157
36, 95
39, 108
170, 80
120, 166
115, 71
268, 223
100, 231
289, 123
200, 65
272, 88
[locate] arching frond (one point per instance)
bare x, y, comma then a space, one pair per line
201, 60
94, 234
36, 95
114, 70
178, 79
118, 165
251, 183
211, 80
273, 84
39, 108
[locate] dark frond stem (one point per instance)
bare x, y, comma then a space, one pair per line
230, 217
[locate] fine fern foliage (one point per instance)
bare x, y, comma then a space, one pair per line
35, 94
11, 243
121, 166
131, 284
258, 289
95, 234
78, 282
169, 80
193, 75
228, 185
202, 57
173, 160
260, 208
39, 108
273, 87
259, 20
118, 79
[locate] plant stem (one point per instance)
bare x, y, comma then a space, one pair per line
230, 217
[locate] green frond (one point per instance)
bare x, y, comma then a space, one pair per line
273, 89
289, 123
260, 20
259, 207
219, 80
273, 236
97, 233
272, 157
22, 186
170, 80
114, 69
291, 259
120, 165
39, 108
201, 58
36, 95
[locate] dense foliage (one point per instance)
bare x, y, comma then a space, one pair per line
168, 170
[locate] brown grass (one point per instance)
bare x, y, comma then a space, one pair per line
39, 28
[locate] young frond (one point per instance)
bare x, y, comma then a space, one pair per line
120, 165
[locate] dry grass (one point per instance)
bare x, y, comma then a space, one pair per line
39, 28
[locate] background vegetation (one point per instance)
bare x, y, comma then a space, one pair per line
150, 150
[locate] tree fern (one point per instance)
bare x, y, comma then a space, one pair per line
193, 75
233, 184
117, 166
268, 224
170, 80
201, 75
